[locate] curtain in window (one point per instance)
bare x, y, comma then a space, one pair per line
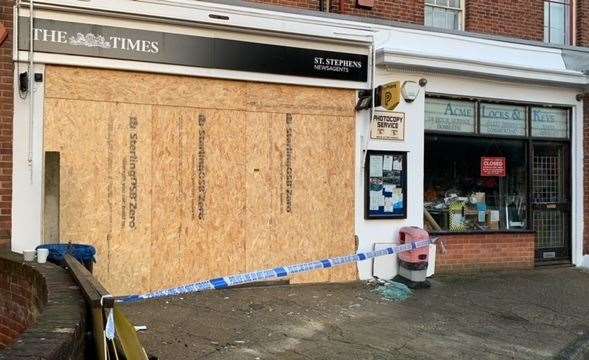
444, 14
557, 21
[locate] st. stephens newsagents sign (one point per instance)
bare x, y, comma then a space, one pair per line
70, 38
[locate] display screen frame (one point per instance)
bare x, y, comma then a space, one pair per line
398, 212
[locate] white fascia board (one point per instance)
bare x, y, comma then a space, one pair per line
246, 18
395, 58
457, 53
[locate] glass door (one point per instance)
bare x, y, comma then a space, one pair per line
550, 200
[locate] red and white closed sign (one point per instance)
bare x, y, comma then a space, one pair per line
493, 166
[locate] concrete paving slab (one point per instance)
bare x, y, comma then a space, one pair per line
538, 314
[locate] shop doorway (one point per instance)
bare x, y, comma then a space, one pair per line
550, 201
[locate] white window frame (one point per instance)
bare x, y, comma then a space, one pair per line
569, 33
461, 8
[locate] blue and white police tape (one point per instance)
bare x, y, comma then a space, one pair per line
279, 272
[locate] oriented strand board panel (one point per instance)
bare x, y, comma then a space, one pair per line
143, 88
105, 184
178, 179
300, 99
300, 207
129, 191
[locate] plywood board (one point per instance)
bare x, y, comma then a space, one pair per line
308, 193
129, 189
105, 183
81, 140
340, 153
227, 176
225, 196
282, 98
143, 88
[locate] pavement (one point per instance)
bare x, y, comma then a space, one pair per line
534, 314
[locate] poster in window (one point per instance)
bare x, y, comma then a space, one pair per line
386, 185
509, 120
550, 123
449, 115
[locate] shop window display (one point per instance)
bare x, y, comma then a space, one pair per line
475, 183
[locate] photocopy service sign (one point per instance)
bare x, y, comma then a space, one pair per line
388, 126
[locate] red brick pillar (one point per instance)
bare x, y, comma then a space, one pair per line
6, 111
582, 22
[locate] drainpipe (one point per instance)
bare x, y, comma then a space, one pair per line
31, 70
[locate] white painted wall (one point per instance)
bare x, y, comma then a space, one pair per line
383, 231
27, 178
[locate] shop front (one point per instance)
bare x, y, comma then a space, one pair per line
495, 148
499, 167
184, 153
192, 141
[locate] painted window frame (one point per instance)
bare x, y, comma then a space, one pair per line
460, 9
529, 139
568, 27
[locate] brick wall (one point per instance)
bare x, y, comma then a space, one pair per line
514, 18
582, 22
22, 295
42, 308
407, 11
493, 251
6, 108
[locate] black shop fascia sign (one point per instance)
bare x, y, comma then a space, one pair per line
60, 37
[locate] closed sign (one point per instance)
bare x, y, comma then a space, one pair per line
493, 166
388, 126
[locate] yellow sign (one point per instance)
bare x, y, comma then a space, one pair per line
390, 95
388, 126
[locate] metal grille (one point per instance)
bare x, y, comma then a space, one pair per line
546, 179
549, 228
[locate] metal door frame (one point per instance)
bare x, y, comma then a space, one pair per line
564, 205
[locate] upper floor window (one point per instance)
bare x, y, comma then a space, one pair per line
557, 21
446, 14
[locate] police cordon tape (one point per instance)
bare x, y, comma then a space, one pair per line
278, 272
